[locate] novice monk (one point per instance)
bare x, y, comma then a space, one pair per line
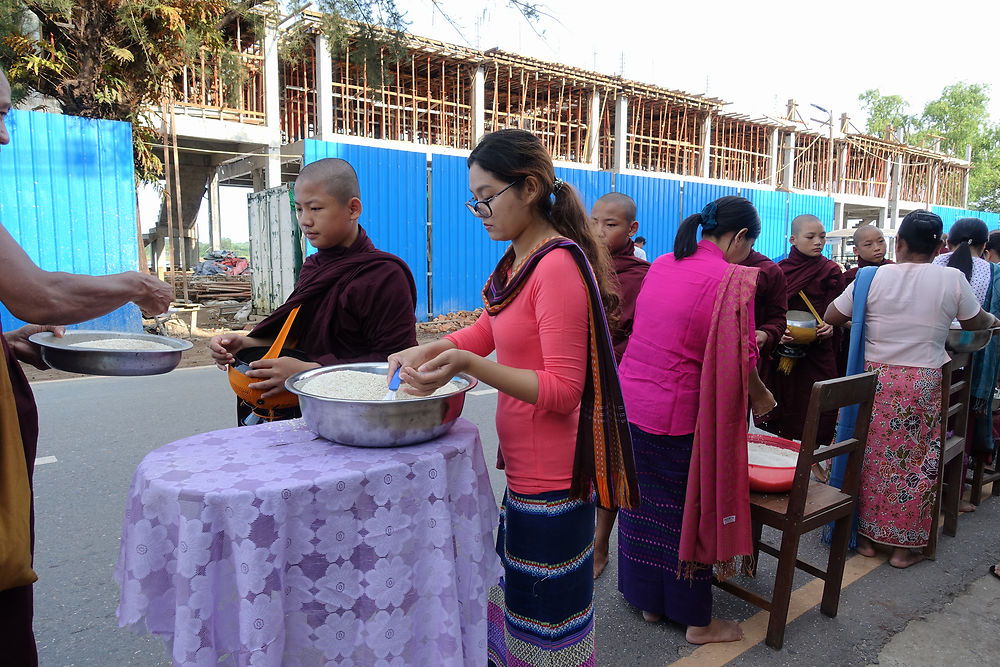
820, 279
770, 306
357, 302
869, 248
614, 217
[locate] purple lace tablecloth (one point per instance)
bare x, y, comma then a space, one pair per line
267, 545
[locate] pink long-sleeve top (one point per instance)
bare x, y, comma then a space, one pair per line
545, 329
661, 370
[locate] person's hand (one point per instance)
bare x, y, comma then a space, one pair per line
24, 349
787, 337
762, 403
410, 358
272, 373
154, 295
224, 348
824, 331
434, 373
761, 338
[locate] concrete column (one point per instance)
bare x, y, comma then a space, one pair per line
621, 133
272, 170
271, 92
772, 177
324, 89
214, 214
478, 105
594, 135
706, 145
839, 219
842, 176
789, 172
157, 250
894, 187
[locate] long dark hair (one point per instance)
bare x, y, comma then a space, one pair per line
513, 155
965, 233
921, 231
724, 215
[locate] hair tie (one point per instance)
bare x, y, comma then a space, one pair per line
557, 185
708, 221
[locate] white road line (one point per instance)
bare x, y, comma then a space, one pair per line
483, 392
42, 460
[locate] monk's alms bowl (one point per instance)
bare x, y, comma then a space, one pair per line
961, 341
378, 423
801, 326
61, 353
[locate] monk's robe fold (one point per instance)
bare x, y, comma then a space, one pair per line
770, 303
357, 305
821, 280
630, 271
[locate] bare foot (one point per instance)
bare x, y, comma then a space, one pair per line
904, 558
600, 561
716, 631
650, 617
865, 547
966, 506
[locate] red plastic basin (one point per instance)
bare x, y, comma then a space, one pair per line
765, 479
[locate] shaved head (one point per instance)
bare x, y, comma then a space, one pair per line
801, 221
866, 232
625, 204
336, 176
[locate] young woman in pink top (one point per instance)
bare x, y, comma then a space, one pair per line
686, 374
560, 416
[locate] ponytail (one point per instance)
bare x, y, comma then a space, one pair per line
686, 241
961, 259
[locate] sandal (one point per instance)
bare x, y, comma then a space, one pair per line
821, 474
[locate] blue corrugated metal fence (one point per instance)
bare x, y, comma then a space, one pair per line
658, 209
949, 215
67, 196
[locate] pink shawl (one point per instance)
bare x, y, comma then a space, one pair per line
716, 527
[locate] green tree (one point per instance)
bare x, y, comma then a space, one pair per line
960, 117
884, 112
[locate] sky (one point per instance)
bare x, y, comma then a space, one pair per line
755, 55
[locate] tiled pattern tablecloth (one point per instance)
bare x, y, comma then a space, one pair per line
267, 545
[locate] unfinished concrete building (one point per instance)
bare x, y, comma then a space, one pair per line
444, 97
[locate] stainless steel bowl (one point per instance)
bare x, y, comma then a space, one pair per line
377, 423
961, 341
60, 354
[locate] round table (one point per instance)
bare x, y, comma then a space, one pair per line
268, 545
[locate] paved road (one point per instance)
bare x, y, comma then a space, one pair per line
98, 430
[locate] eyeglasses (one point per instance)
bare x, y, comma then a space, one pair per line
482, 209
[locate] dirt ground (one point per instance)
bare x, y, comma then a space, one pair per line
210, 323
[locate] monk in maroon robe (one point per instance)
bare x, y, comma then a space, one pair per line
614, 218
821, 280
869, 248
770, 305
357, 302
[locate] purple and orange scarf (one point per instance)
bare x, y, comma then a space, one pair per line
603, 459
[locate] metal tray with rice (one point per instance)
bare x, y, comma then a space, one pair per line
93, 352
377, 423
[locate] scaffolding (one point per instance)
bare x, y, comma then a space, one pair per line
865, 168
741, 149
208, 88
297, 82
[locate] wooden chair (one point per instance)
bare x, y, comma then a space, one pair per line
811, 505
956, 392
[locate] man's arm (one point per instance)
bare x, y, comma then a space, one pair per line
54, 297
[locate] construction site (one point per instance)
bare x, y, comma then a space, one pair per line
427, 95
